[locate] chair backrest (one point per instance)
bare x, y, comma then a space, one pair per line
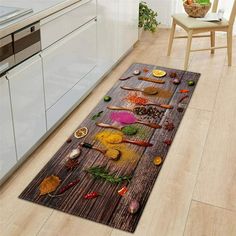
233, 11
215, 6
232, 15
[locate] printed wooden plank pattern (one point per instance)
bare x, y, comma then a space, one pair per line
111, 208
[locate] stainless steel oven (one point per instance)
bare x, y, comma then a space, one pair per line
19, 46
26, 42
6, 53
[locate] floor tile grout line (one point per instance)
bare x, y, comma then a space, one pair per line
197, 174
212, 205
200, 109
204, 147
44, 223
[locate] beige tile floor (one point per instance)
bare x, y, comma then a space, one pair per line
195, 193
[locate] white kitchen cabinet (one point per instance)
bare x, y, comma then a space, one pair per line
107, 37
28, 106
128, 13
62, 23
7, 142
64, 64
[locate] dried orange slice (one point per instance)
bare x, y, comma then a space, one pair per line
157, 161
158, 73
81, 132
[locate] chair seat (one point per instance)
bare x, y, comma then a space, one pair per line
193, 23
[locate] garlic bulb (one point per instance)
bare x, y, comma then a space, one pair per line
74, 153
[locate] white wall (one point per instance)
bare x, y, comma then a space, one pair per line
164, 8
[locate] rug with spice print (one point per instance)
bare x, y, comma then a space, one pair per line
106, 169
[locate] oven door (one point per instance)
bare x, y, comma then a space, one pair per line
6, 53
26, 42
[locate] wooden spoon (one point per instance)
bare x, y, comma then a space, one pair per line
165, 106
139, 143
151, 125
126, 78
104, 152
145, 90
151, 80
122, 140
103, 125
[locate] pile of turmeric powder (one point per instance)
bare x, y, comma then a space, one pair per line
112, 140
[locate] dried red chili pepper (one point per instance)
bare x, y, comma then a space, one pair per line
136, 99
184, 91
91, 195
65, 188
168, 142
68, 186
183, 98
123, 191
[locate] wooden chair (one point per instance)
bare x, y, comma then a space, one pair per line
193, 26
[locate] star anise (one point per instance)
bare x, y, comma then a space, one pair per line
71, 164
169, 125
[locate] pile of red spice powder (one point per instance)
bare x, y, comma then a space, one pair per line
133, 98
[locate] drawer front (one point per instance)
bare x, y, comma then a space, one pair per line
57, 26
68, 61
73, 97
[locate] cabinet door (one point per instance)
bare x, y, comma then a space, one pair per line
68, 61
7, 143
128, 12
28, 106
107, 20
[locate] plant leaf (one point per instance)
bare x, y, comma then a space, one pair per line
49, 184
94, 117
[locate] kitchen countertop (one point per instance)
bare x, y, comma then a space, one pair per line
41, 9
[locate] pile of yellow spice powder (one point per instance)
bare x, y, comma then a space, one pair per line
112, 139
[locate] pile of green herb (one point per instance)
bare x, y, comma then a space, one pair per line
130, 130
100, 172
94, 117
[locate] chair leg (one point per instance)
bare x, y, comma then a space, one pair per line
171, 39
213, 40
188, 48
229, 46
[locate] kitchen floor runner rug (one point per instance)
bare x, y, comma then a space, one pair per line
106, 169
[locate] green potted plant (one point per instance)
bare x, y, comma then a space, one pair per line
147, 18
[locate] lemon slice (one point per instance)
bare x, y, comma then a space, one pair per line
157, 161
81, 132
158, 73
